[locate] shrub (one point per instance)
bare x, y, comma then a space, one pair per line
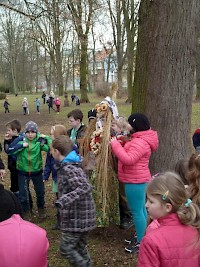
2, 96
103, 89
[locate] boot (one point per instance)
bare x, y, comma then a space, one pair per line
42, 213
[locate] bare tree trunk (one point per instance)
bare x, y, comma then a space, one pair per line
83, 70
164, 75
130, 20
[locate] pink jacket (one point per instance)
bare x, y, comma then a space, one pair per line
133, 158
171, 245
23, 244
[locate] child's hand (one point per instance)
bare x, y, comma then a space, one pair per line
113, 139
2, 174
25, 144
42, 135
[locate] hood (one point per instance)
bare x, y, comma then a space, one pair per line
150, 136
72, 157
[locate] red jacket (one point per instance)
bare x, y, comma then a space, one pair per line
171, 245
133, 157
23, 244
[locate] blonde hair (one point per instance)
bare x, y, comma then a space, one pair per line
194, 178
121, 122
58, 130
169, 188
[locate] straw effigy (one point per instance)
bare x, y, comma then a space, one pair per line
103, 178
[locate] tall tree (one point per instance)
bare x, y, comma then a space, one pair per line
81, 15
164, 75
118, 30
130, 12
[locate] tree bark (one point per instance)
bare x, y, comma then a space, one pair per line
83, 69
164, 76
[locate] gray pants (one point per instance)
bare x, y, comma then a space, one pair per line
73, 247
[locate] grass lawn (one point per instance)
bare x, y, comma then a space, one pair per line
105, 245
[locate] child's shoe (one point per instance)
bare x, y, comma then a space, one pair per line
134, 248
131, 240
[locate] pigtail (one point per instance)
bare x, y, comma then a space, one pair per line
190, 215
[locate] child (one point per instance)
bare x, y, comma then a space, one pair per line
50, 101
13, 129
29, 166
22, 243
57, 103
25, 106
37, 102
44, 97
56, 131
6, 105
119, 129
196, 139
194, 178
77, 131
133, 169
75, 203
176, 241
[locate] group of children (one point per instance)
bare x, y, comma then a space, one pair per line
172, 235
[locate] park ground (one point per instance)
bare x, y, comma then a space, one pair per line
105, 244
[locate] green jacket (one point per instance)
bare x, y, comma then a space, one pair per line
29, 159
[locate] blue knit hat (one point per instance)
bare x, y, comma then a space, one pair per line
31, 126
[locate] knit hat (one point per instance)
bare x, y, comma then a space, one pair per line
92, 114
9, 204
31, 126
139, 122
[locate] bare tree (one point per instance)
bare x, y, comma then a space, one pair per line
130, 20
118, 29
81, 15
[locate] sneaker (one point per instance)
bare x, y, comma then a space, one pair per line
133, 249
131, 240
126, 223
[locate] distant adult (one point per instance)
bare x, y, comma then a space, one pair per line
22, 243
51, 101
6, 105
133, 170
44, 97
25, 106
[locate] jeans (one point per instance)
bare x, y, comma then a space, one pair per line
24, 192
73, 247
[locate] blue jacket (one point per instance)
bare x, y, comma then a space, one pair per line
72, 157
50, 168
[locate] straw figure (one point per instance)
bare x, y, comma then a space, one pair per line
96, 148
